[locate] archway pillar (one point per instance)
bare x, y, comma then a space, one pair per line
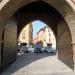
64, 40
10, 44
1, 41
70, 18
73, 45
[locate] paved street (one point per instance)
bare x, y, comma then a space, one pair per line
38, 64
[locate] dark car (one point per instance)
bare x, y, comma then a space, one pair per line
38, 50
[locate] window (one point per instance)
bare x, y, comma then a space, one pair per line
23, 37
48, 29
49, 34
53, 39
23, 33
49, 40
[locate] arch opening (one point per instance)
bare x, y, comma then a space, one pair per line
34, 29
56, 22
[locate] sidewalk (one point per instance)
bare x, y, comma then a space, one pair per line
38, 64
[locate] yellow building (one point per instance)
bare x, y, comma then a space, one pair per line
26, 34
35, 39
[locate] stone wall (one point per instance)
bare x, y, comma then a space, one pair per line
65, 51
9, 7
10, 44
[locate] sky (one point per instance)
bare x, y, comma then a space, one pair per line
37, 25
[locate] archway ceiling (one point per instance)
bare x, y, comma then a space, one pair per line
38, 10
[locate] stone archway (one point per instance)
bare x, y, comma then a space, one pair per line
67, 13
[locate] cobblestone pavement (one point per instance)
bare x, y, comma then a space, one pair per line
38, 64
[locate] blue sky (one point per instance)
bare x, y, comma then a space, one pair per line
37, 25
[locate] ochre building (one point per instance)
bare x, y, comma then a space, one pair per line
26, 35
45, 35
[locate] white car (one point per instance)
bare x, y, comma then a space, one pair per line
24, 49
30, 49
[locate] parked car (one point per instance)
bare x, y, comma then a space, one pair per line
38, 48
24, 48
49, 50
19, 46
30, 49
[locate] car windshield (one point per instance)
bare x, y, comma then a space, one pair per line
48, 48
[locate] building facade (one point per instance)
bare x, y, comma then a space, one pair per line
35, 39
48, 36
40, 35
45, 35
26, 35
